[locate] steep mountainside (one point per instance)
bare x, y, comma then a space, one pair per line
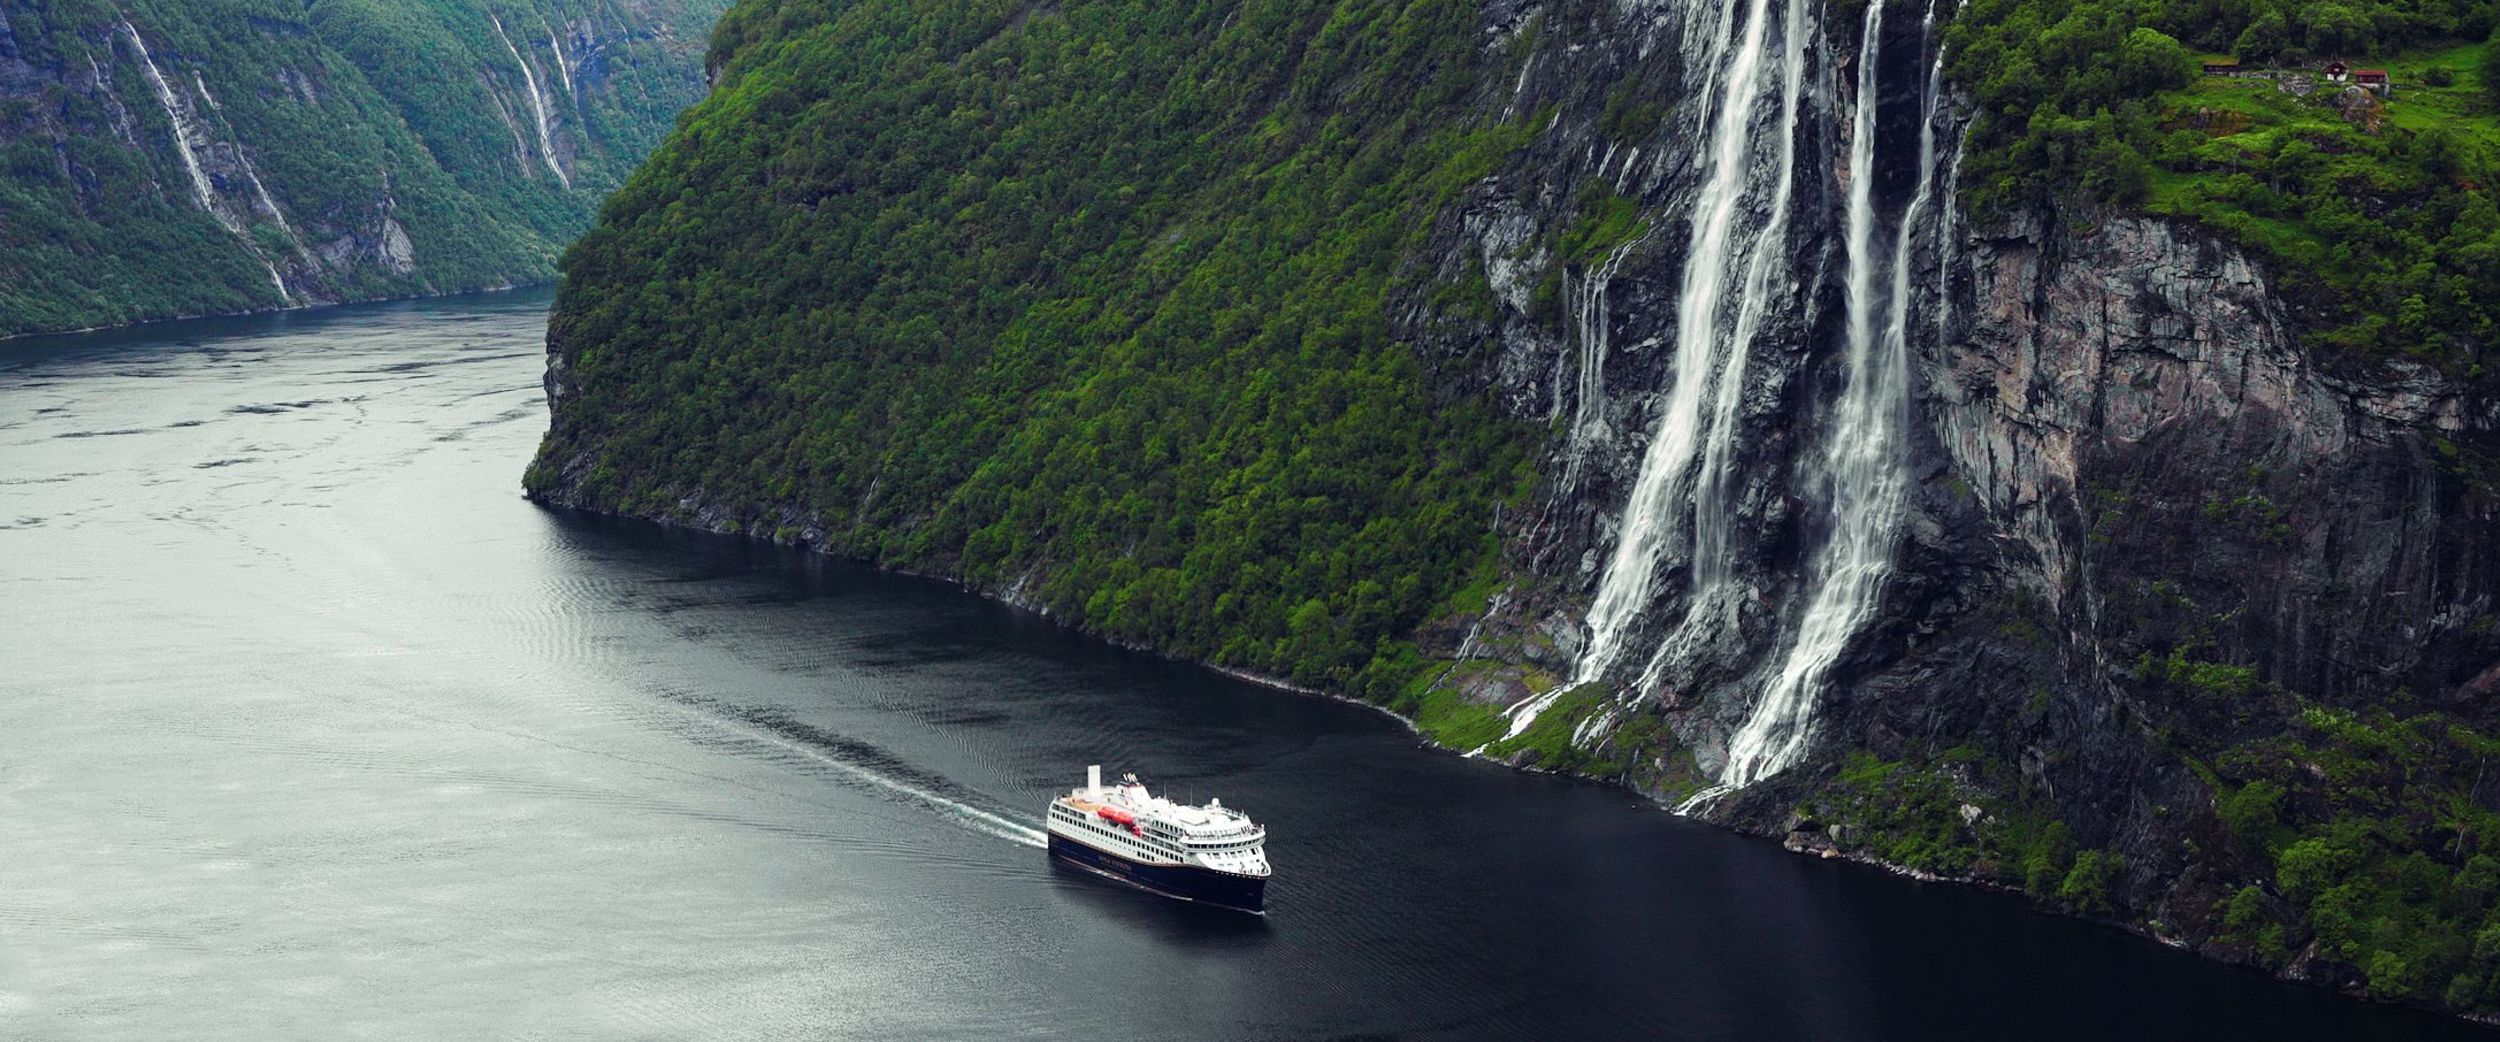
962, 289
1905, 432
178, 157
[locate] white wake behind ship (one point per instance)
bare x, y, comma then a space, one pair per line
1211, 854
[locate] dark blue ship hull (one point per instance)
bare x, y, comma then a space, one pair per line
1187, 882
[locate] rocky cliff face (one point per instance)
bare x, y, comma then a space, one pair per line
2202, 546
2145, 380
2162, 574
159, 159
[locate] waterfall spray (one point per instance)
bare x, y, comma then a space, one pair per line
1863, 464
183, 146
1738, 273
1727, 289
1713, 497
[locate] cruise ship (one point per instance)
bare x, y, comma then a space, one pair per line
1211, 854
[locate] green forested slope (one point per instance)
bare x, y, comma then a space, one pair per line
329, 130
2378, 213
1102, 287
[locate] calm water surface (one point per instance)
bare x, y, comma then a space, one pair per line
310, 727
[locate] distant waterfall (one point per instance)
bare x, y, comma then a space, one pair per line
183, 134
251, 176
564, 66
1855, 475
186, 144
1948, 224
538, 104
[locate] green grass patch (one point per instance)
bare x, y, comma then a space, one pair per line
1449, 718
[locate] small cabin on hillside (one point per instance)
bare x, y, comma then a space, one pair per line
2371, 79
2222, 68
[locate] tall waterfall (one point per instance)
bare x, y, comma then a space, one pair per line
1855, 476
1734, 257
1948, 225
1863, 466
538, 104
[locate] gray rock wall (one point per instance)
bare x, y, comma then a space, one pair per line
2122, 450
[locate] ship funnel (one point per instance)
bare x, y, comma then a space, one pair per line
1093, 782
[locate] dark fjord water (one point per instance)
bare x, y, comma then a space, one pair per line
310, 727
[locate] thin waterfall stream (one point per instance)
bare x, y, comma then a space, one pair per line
538, 105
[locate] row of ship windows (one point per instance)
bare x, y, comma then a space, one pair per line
1150, 838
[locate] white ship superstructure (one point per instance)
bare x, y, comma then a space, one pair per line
1210, 853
